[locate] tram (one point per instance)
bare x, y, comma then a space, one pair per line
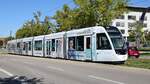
99, 44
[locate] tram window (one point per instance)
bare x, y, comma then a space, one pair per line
102, 41
80, 43
18, 45
71, 43
88, 42
13, 46
47, 45
53, 44
38, 45
29, 45
24, 45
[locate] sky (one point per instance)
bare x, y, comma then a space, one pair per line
13, 13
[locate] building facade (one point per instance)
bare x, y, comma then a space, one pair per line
127, 21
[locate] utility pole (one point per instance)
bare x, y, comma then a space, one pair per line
32, 22
10, 34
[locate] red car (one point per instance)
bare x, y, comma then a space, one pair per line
133, 52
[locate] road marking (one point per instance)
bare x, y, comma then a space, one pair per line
105, 79
14, 59
28, 63
56, 68
6, 72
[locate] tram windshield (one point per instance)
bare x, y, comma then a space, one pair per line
117, 40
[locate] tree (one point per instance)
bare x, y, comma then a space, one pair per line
90, 13
25, 31
102, 12
131, 37
137, 34
35, 27
138, 29
1, 43
37, 16
64, 18
147, 36
48, 26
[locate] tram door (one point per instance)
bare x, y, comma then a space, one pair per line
59, 48
48, 48
88, 48
26, 48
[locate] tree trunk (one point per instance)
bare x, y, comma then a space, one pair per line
137, 40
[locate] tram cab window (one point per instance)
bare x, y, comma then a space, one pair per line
102, 41
53, 44
29, 45
80, 43
38, 45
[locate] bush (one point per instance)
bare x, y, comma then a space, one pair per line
140, 63
144, 49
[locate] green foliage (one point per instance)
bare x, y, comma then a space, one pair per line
131, 37
1, 43
145, 54
64, 18
147, 36
35, 27
139, 33
145, 48
140, 63
25, 31
9, 38
89, 13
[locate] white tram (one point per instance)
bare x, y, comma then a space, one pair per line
93, 43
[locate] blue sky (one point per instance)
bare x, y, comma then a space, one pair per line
13, 13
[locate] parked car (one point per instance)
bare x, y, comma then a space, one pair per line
133, 52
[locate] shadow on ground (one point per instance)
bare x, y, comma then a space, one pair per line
20, 80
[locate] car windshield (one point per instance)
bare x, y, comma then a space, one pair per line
118, 42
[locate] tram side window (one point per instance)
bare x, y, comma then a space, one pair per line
71, 43
102, 41
18, 45
38, 45
24, 45
53, 44
47, 45
13, 46
80, 43
29, 45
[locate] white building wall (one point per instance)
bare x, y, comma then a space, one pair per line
125, 21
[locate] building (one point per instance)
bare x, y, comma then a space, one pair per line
126, 21
3, 42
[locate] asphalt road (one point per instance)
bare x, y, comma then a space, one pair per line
15, 69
